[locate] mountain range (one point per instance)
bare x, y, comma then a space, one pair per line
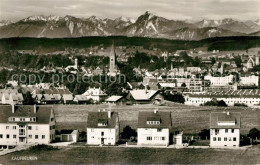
146, 25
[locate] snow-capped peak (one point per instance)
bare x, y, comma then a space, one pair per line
43, 18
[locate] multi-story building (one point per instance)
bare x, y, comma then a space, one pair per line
220, 81
225, 129
102, 128
249, 80
153, 128
231, 97
23, 125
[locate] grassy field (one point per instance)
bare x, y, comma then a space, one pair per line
114, 155
189, 119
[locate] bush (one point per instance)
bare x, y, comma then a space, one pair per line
42, 147
204, 134
220, 103
128, 132
254, 133
240, 105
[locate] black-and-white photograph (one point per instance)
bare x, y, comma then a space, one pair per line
128, 82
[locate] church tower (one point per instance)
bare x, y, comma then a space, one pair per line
112, 62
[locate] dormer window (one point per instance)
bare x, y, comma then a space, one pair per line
102, 122
155, 120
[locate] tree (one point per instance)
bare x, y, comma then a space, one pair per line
128, 132
238, 61
28, 100
204, 134
222, 103
183, 85
174, 98
213, 60
254, 133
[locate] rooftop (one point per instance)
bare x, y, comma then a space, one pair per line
96, 117
227, 117
42, 114
162, 116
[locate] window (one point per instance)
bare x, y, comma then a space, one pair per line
92, 137
149, 138
219, 138
7, 127
92, 130
29, 127
225, 138
102, 133
216, 131
14, 136
214, 138
36, 136
30, 136
232, 130
43, 136
159, 130
229, 139
1, 136
14, 127
36, 127
163, 138
234, 139
7, 136
226, 130
21, 132
52, 119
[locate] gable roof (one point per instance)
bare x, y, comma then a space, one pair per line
164, 117
68, 97
216, 117
95, 117
114, 98
42, 114
141, 94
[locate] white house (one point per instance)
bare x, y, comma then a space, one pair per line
102, 128
225, 129
153, 128
249, 80
96, 94
220, 81
23, 125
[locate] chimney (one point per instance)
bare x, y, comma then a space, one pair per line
13, 108
109, 114
34, 108
228, 113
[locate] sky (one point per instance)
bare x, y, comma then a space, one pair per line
171, 9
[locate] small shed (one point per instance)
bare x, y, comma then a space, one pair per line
69, 135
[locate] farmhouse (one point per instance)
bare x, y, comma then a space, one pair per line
22, 125
225, 129
143, 96
102, 128
153, 128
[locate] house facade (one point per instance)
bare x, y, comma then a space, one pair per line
96, 94
102, 128
153, 128
225, 129
25, 125
250, 97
